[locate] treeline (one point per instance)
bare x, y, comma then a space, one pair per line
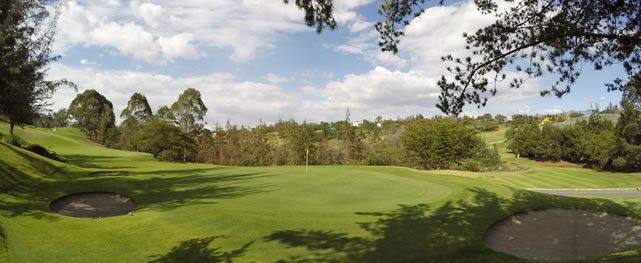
177, 133
595, 142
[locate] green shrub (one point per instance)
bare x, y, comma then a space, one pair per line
619, 163
13, 140
471, 165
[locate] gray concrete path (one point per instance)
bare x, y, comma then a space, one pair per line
590, 192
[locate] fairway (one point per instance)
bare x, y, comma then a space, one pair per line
197, 212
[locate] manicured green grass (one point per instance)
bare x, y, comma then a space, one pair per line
494, 137
197, 212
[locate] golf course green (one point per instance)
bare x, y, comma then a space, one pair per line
207, 213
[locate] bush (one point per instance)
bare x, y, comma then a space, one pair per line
385, 155
471, 165
575, 114
619, 163
13, 140
173, 154
42, 151
165, 141
488, 158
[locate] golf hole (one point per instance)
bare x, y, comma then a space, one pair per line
560, 234
93, 205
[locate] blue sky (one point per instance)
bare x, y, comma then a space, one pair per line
254, 60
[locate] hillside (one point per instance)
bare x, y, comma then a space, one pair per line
571, 121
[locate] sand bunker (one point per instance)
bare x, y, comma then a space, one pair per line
93, 204
558, 234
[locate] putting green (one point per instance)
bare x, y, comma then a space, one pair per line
197, 212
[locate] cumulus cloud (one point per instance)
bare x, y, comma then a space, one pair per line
79, 25
226, 97
166, 30
438, 32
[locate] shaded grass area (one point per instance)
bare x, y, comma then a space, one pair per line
452, 232
199, 250
19, 167
159, 193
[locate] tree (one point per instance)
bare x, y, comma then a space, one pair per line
26, 35
165, 114
137, 109
188, 109
165, 141
500, 118
93, 113
632, 91
629, 143
440, 143
60, 118
136, 114
536, 37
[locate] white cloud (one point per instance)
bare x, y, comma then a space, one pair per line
87, 62
142, 29
436, 33
275, 79
151, 13
81, 26
226, 97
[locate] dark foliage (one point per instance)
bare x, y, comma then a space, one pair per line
26, 35
42, 151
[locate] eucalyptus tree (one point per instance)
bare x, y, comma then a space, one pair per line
188, 110
134, 116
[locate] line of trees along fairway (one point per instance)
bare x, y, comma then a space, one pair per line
177, 133
596, 142
164, 136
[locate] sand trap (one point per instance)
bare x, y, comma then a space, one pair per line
558, 234
108, 173
93, 204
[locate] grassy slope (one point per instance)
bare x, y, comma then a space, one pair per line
282, 212
555, 175
571, 121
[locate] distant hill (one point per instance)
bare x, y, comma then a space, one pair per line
614, 118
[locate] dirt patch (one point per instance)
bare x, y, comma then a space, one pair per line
108, 173
93, 204
559, 234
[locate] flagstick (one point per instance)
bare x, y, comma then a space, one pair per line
307, 160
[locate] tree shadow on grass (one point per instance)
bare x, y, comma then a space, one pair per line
12, 177
452, 232
90, 161
171, 189
199, 250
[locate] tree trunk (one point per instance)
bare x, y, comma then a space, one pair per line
11, 124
